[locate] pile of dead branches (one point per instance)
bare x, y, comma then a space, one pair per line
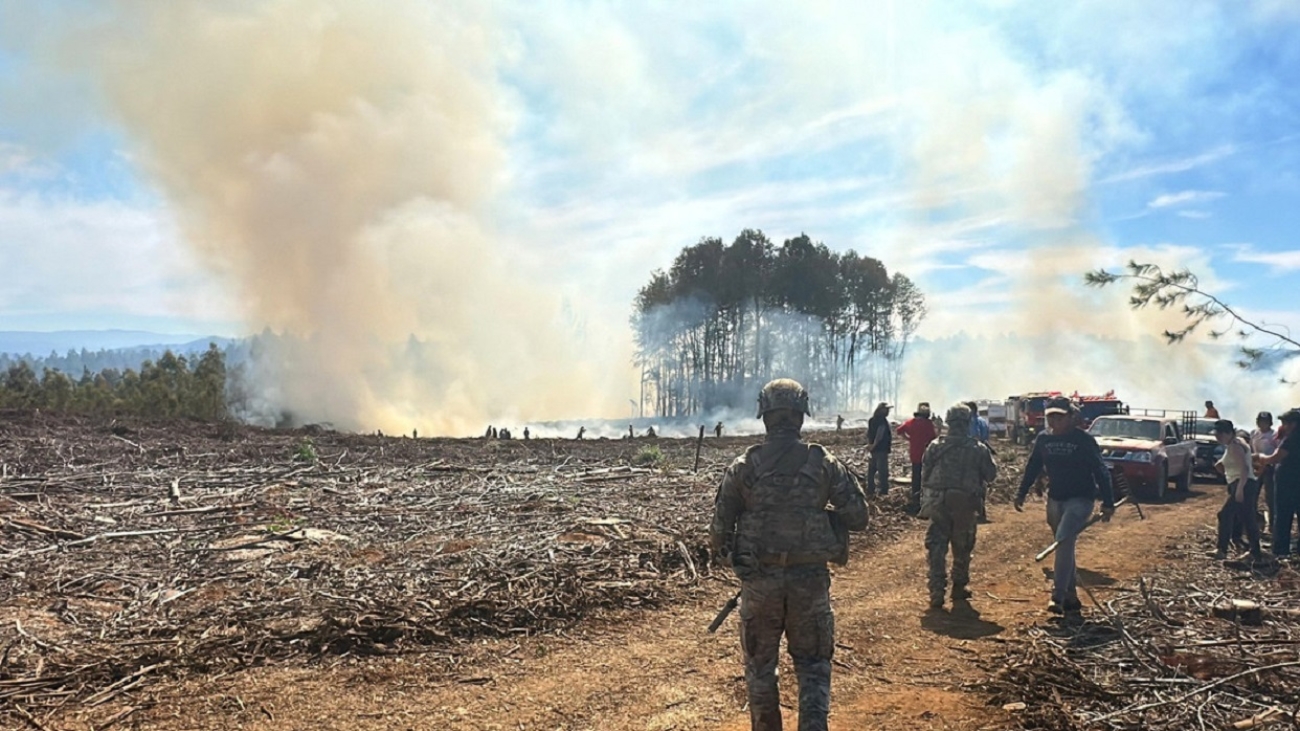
1203, 646
141, 550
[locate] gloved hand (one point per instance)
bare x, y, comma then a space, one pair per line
745, 565
1106, 512
1019, 505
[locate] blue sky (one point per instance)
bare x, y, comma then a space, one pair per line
988, 149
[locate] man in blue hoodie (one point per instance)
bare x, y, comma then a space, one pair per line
1077, 476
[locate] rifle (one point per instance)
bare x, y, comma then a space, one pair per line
1094, 519
727, 609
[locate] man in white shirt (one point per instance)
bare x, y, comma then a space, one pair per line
1243, 490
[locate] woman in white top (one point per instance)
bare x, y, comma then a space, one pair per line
1243, 490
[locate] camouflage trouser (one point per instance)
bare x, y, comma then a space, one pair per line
794, 601
952, 522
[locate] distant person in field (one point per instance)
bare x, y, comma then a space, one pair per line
1243, 491
1077, 477
919, 431
717, 430
879, 436
650, 433
979, 430
839, 422
772, 525
494, 433
1263, 440
1210, 411
526, 434
953, 474
581, 430
1286, 480
488, 434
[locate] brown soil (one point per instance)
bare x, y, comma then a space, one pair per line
897, 664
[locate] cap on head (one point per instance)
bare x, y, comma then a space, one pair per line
1224, 426
958, 413
1290, 416
783, 393
1059, 405
1264, 416
882, 407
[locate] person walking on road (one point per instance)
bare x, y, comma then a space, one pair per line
979, 429
879, 435
919, 432
953, 472
1243, 491
1077, 476
783, 510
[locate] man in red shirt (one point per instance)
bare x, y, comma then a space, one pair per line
919, 432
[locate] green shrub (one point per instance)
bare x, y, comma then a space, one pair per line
648, 456
305, 452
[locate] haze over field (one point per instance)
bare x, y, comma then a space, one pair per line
454, 203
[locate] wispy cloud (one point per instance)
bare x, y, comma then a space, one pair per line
1179, 165
1281, 261
1194, 214
1185, 197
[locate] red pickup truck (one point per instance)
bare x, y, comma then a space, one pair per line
1148, 450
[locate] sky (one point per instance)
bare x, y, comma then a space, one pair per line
497, 180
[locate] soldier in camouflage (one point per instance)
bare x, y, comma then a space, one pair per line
782, 512
953, 471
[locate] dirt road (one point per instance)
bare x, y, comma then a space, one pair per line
897, 665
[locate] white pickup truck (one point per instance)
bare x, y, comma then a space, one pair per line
1148, 450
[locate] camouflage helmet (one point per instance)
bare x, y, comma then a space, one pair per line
783, 393
959, 412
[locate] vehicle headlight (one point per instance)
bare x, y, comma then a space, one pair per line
1140, 456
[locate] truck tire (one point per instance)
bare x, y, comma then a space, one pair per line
1162, 481
1183, 483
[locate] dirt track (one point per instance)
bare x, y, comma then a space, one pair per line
897, 664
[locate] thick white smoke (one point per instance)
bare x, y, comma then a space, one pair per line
335, 161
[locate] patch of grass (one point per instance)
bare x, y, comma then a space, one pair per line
648, 456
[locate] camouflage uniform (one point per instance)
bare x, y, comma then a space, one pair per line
772, 524
953, 472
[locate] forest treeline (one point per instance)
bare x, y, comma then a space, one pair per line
171, 386
725, 318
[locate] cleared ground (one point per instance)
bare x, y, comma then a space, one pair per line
557, 646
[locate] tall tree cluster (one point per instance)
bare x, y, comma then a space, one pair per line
726, 318
167, 387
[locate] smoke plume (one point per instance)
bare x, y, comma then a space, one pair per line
335, 162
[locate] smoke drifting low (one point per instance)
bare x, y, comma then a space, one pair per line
334, 161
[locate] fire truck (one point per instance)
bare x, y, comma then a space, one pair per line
1090, 407
1025, 415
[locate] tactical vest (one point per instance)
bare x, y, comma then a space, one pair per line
785, 521
959, 470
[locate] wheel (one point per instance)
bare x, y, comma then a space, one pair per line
1162, 481
1184, 481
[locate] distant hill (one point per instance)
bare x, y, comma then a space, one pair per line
40, 344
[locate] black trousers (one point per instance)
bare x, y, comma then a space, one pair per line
1240, 513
